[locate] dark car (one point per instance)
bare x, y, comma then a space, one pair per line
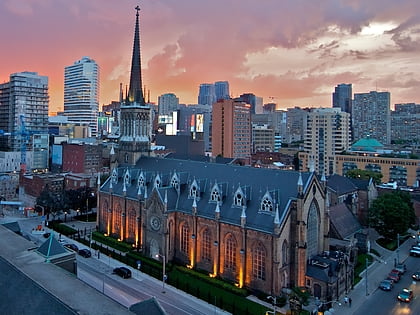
386, 285
406, 295
394, 276
123, 272
397, 271
73, 247
401, 268
47, 234
416, 276
85, 253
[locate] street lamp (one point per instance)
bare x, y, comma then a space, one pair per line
274, 303
398, 248
164, 271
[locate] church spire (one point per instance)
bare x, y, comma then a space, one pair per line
135, 93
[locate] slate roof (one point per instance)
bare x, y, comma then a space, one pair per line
254, 182
149, 307
343, 221
341, 184
361, 184
51, 247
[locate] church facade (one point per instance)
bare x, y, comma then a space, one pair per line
255, 227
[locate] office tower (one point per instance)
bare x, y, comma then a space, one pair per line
81, 93
221, 89
256, 102
167, 103
136, 117
206, 94
405, 122
342, 97
371, 116
231, 129
327, 134
269, 107
295, 124
24, 116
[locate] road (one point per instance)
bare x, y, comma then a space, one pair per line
386, 303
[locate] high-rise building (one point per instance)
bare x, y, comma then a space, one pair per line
136, 116
371, 116
81, 93
206, 94
231, 129
256, 102
221, 89
342, 97
405, 122
327, 134
295, 124
23, 115
167, 103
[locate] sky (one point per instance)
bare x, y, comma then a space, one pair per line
290, 52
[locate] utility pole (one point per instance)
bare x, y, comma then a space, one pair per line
398, 248
367, 262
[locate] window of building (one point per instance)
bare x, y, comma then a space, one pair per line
185, 240
157, 181
127, 178
132, 222
141, 181
284, 251
175, 182
206, 245
114, 176
239, 199
267, 202
258, 263
313, 231
230, 253
215, 194
193, 191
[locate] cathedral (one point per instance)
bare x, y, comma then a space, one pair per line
258, 228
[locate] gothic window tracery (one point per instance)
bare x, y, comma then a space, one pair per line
267, 202
206, 245
193, 191
215, 194
185, 234
239, 198
230, 253
157, 181
141, 181
175, 181
312, 231
284, 251
258, 262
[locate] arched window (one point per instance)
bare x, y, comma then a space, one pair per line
175, 182
193, 191
312, 234
267, 202
114, 176
157, 181
215, 195
284, 251
141, 181
117, 220
206, 245
239, 198
258, 262
185, 239
230, 253
127, 178
132, 222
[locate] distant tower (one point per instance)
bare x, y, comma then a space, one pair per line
81, 93
136, 123
221, 89
206, 94
342, 97
167, 103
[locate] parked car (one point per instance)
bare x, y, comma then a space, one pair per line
73, 247
401, 268
406, 295
416, 276
47, 234
123, 272
386, 285
85, 253
397, 271
394, 276
415, 253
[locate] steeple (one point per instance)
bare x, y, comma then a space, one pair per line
135, 93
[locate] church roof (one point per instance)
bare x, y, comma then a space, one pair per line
367, 145
340, 184
343, 221
254, 183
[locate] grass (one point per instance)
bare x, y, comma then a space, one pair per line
361, 266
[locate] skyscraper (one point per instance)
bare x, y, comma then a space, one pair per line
24, 116
231, 129
221, 89
136, 121
81, 93
342, 97
206, 94
371, 116
167, 103
256, 102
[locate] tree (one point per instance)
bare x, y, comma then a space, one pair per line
392, 214
364, 174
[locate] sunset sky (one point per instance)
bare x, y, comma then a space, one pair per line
291, 52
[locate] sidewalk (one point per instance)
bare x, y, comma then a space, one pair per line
376, 272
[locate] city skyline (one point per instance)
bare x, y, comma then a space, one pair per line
276, 50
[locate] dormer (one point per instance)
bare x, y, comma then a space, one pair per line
127, 178
158, 182
175, 181
267, 203
114, 176
141, 181
194, 192
239, 198
215, 194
